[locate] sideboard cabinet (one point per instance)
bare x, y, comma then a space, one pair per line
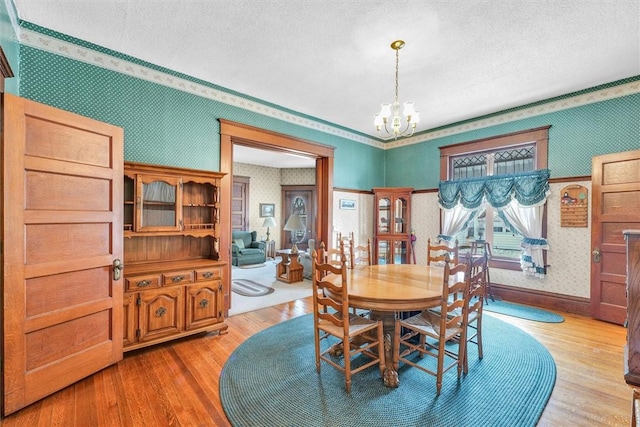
392, 233
174, 282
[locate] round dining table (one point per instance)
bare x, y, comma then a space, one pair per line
387, 289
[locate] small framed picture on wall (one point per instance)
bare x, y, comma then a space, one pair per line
267, 209
347, 204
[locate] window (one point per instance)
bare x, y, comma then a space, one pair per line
502, 155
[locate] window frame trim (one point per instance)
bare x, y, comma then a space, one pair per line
538, 136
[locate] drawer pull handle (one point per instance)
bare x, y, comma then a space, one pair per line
161, 311
204, 303
176, 279
207, 275
143, 283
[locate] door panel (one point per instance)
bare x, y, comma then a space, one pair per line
300, 199
239, 203
616, 202
62, 206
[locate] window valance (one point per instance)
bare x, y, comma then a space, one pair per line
529, 189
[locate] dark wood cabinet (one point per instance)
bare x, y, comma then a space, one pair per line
174, 282
392, 228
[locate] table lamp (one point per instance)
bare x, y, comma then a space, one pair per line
269, 222
294, 224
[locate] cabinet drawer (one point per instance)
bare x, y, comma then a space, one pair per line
138, 283
213, 273
177, 278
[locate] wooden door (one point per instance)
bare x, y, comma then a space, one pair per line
299, 199
62, 234
240, 203
615, 208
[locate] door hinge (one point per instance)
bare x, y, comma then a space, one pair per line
138, 333
139, 301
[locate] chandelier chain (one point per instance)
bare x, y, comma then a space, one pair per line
397, 71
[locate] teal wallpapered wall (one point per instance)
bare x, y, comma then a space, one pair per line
167, 126
576, 135
10, 45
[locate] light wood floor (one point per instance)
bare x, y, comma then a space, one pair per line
176, 384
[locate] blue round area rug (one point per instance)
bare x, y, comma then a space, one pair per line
271, 380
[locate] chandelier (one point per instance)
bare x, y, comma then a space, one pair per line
390, 113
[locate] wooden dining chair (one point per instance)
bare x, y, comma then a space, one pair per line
474, 303
483, 248
333, 256
437, 252
331, 318
435, 328
360, 254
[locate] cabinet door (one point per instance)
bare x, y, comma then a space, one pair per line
393, 251
384, 215
159, 202
400, 218
161, 312
204, 304
401, 251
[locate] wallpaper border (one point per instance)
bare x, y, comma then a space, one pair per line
111, 62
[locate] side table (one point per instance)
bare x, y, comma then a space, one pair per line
289, 270
270, 248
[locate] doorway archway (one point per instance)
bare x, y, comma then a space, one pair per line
236, 133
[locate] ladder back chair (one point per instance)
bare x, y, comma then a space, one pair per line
333, 256
436, 253
474, 303
435, 328
481, 248
360, 254
331, 318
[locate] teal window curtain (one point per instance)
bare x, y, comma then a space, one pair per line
529, 189
519, 199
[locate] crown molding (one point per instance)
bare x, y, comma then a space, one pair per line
104, 60
74, 51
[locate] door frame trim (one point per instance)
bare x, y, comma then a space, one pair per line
237, 133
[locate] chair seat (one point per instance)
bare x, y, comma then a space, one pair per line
357, 325
428, 323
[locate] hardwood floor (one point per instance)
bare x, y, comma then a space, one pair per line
176, 384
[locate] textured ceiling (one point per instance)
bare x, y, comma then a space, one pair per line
331, 59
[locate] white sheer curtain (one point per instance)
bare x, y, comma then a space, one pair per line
454, 221
527, 220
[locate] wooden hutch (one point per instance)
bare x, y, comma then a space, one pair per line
392, 229
174, 282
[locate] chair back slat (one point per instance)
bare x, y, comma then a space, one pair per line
360, 254
325, 307
478, 282
436, 253
455, 285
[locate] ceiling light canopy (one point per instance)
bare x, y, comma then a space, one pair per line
390, 113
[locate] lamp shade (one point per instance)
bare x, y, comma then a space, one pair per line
269, 222
294, 223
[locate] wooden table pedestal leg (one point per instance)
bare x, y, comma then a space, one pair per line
388, 324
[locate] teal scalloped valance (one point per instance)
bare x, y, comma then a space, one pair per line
529, 189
